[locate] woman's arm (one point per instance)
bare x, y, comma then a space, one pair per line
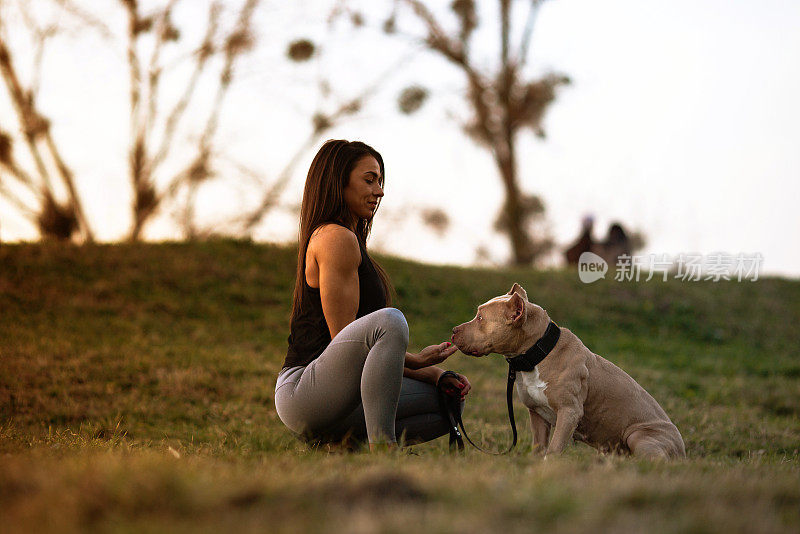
422, 366
431, 355
337, 255
457, 386
426, 374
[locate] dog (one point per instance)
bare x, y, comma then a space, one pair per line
572, 390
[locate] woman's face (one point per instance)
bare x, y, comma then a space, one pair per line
363, 190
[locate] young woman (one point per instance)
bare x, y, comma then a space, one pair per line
347, 372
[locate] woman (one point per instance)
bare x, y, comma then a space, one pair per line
347, 372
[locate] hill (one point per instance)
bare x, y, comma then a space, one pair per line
136, 387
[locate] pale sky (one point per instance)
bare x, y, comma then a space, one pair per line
681, 122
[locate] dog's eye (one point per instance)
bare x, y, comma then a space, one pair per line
480, 318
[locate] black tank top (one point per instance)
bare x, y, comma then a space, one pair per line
309, 331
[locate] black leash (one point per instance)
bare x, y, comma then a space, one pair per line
524, 362
452, 408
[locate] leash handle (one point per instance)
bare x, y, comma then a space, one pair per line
512, 376
452, 413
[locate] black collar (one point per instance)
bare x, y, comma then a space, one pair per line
533, 356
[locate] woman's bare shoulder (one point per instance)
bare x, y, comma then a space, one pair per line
334, 240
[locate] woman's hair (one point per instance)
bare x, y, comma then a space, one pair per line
323, 202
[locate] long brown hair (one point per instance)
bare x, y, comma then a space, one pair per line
323, 202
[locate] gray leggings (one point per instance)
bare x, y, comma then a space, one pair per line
356, 387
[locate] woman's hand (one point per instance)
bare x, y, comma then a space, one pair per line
432, 355
456, 386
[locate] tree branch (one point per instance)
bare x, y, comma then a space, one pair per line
41, 35
14, 200
236, 43
437, 38
452, 50
69, 181
87, 18
37, 127
533, 14
154, 70
202, 56
134, 66
32, 123
19, 174
505, 8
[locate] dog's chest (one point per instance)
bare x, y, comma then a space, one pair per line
530, 388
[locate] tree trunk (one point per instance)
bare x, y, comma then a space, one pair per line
505, 158
136, 231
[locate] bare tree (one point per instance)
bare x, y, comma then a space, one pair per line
35, 192
153, 130
502, 103
156, 129
145, 155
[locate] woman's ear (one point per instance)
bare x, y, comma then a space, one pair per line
516, 310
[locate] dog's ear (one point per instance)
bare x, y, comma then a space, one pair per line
516, 310
516, 288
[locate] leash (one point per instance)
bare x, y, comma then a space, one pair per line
452, 408
525, 362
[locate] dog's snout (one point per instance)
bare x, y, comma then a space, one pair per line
455, 331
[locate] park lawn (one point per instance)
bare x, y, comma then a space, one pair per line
136, 388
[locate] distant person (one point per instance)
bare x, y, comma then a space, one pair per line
584, 242
347, 373
615, 244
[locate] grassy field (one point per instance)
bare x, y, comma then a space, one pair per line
136, 389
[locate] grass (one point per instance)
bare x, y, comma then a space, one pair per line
136, 388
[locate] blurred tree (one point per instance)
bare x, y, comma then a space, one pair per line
502, 103
436, 219
156, 53
153, 127
35, 193
145, 155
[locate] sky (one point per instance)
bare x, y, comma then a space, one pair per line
681, 123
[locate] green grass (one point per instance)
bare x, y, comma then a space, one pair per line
136, 393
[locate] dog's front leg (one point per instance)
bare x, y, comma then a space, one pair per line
567, 419
541, 431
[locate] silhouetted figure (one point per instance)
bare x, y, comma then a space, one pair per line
584, 242
615, 244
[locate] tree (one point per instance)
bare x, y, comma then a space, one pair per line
153, 47
145, 155
35, 192
153, 127
502, 103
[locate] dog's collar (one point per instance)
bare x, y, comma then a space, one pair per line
533, 356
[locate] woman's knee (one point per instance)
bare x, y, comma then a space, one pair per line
394, 322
